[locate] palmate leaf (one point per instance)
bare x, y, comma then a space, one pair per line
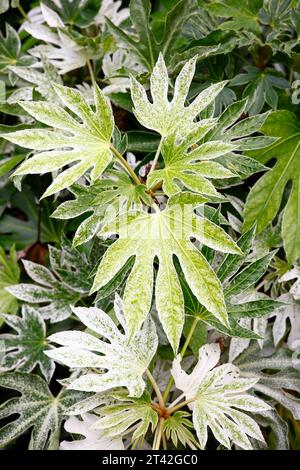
104, 198
219, 140
87, 143
10, 51
116, 418
239, 15
77, 12
53, 295
93, 438
77, 347
193, 169
171, 117
260, 87
37, 408
278, 373
9, 275
265, 197
235, 282
162, 235
143, 44
178, 429
219, 399
25, 350
231, 128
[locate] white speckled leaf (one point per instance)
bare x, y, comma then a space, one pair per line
218, 395
84, 143
170, 117
25, 350
103, 199
125, 362
37, 409
192, 168
117, 417
55, 296
164, 234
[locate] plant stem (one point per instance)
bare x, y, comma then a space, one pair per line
156, 155
182, 353
158, 434
155, 388
189, 337
164, 441
180, 405
125, 164
21, 10
91, 71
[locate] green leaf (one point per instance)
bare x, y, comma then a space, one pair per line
37, 408
9, 275
237, 308
248, 276
260, 87
143, 45
23, 233
164, 234
239, 15
88, 141
75, 13
25, 350
265, 197
77, 347
219, 399
10, 51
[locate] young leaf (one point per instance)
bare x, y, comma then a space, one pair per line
25, 350
178, 428
37, 408
164, 234
77, 346
265, 197
88, 142
219, 399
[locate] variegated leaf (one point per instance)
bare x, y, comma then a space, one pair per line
163, 235
118, 417
171, 117
77, 347
37, 409
25, 350
218, 399
67, 141
50, 292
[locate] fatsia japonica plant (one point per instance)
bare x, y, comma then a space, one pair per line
149, 206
